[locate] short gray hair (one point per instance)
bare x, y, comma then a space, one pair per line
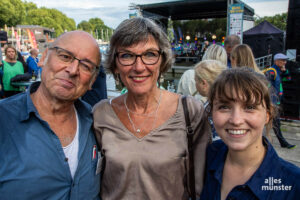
133, 31
232, 40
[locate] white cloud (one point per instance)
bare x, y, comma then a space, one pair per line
269, 8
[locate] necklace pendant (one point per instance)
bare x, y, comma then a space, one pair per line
138, 130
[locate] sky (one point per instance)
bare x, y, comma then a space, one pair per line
113, 12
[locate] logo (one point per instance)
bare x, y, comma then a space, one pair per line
275, 184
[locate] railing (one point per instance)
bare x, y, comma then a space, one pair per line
264, 61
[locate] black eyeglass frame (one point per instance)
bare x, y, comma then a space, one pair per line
160, 52
96, 67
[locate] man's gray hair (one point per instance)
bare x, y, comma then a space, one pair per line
232, 40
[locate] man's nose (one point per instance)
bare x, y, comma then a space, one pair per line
73, 67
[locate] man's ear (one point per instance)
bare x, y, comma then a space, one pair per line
42, 60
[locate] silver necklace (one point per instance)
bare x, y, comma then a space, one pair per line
138, 130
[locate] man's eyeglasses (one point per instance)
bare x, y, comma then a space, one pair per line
66, 56
148, 57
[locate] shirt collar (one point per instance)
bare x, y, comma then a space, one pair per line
29, 108
270, 159
83, 109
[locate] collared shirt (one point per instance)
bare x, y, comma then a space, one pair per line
275, 179
33, 164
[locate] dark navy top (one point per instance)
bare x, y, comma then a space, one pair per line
32, 161
275, 179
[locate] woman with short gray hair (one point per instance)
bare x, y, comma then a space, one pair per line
142, 133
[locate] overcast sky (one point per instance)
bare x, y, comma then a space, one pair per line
112, 12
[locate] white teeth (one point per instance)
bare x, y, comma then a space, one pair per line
138, 78
237, 132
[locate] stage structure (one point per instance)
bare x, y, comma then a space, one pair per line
189, 9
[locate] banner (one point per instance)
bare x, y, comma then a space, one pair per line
236, 17
18, 41
31, 38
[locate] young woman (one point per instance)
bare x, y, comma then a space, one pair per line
244, 165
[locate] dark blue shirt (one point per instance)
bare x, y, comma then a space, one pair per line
32, 161
275, 179
33, 68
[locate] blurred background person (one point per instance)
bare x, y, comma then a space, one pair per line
32, 62
242, 56
187, 85
10, 68
205, 74
229, 43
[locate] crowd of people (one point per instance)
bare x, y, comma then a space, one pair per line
148, 143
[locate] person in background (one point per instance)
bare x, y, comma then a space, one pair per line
186, 85
10, 68
143, 135
48, 149
230, 42
21, 59
276, 74
205, 74
32, 62
98, 91
241, 56
216, 52
244, 164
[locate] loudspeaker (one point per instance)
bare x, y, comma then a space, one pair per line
293, 27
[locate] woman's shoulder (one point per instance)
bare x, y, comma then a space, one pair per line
101, 105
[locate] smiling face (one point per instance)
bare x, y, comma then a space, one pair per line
64, 81
139, 78
239, 123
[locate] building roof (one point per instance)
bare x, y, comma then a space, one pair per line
190, 9
35, 27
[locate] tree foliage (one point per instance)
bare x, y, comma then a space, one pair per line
278, 20
16, 12
97, 27
12, 12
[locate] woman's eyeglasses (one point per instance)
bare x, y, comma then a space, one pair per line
148, 57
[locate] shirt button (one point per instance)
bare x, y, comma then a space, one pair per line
73, 184
66, 159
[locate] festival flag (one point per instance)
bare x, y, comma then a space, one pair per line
18, 40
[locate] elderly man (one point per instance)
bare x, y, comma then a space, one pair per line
276, 74
32, 62
230, 42
48, 150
